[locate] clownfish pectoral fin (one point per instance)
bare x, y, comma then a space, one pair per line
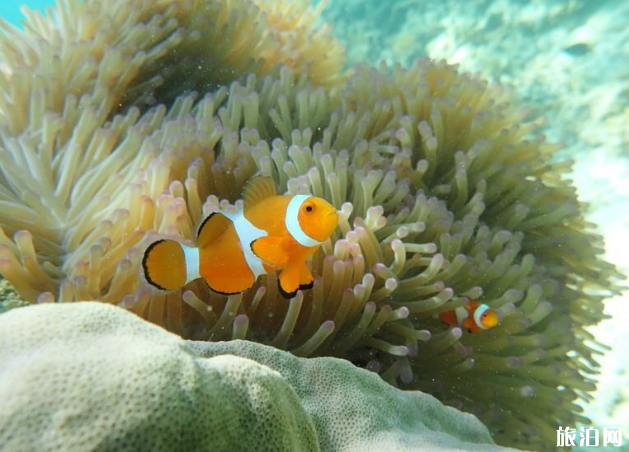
212, 227
271, 250
288, 281
164, 265
257, 189
306, 280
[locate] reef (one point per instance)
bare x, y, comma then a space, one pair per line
149, 390
114, 135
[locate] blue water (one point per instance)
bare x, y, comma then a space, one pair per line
10, 10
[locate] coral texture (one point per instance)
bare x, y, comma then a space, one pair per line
444, 193
116, 383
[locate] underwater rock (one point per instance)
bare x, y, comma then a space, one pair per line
106, 380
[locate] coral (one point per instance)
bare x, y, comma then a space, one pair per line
444, 192
116, 383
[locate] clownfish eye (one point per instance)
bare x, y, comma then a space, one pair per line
309, 207
484, 315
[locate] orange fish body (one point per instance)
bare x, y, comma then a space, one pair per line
271, 233
474, 316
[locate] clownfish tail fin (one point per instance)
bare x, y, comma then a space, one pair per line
169, 265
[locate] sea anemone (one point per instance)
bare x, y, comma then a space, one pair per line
64, 78
445, 193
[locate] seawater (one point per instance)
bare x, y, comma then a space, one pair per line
10, 10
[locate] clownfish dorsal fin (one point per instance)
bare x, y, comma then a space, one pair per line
212, 227
257, 189
270, 250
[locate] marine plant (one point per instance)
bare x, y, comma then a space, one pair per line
445, 192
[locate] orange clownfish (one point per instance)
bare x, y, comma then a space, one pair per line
271, 232
474, 316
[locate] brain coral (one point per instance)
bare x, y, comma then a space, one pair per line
444, 190
116, 383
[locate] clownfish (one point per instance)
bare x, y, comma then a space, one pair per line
270, 233
474, 316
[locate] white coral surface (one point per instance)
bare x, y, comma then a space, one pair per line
89, 376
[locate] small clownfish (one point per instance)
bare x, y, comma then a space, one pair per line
474, 316
270, 233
